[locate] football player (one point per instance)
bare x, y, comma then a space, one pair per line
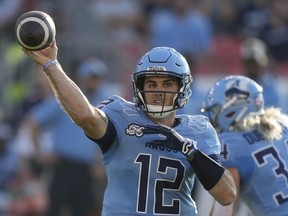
150, 155
254, 145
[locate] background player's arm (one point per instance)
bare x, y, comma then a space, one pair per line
92, 120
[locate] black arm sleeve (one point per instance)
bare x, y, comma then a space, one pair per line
207, 170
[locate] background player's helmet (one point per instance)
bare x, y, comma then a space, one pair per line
162, 61
232, 99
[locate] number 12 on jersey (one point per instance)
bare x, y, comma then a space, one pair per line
160, 185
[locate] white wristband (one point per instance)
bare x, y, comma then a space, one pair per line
49, 64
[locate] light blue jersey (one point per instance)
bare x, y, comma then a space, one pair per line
148, 180
263, 169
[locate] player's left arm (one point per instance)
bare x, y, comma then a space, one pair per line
228, 210
216, 179
213, 176
224, 191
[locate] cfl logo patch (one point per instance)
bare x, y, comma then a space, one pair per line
134, 129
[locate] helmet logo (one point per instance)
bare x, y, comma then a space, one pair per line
234, 91
156, 68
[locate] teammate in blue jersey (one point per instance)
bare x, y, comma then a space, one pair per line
254, 145
150, 155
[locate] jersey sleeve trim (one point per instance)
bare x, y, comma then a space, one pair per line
106, 141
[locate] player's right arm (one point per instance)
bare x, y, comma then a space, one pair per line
92, 120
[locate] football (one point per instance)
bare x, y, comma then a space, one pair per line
35, 30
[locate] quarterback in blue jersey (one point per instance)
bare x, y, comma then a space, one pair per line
254, 145
150, 155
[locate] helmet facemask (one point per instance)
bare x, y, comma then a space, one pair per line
233, 111
160, 111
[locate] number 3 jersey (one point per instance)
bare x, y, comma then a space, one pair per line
263, 169
144, 179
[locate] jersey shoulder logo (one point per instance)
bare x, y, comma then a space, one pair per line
197, 123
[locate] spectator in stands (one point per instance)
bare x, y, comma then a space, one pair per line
9, 167
275, 31
255, 59
180, 25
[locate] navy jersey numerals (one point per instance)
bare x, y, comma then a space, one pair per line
279, 170
161, 185
104, 103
